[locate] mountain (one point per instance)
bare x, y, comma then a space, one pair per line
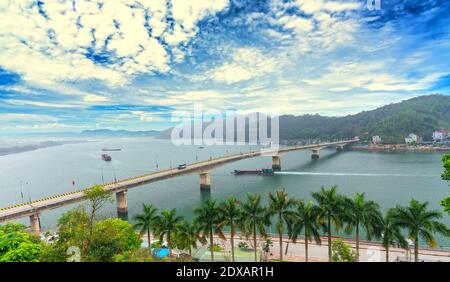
118, 133
421, 115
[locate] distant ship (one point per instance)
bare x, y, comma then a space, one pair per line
106, 157
114, 149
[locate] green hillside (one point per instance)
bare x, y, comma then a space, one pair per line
421, 115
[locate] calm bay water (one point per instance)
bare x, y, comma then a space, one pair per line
387, 178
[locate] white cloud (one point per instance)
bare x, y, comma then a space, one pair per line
95, 98
26, 117
38, 104
315, 6
371, 76
241, 65
147, 116
59, 47
326, 25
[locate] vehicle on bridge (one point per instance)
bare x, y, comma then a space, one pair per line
182, 166
106, 157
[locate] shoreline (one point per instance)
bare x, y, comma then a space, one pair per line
401, 148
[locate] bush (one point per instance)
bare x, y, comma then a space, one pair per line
215, 248
16, 245
342, 252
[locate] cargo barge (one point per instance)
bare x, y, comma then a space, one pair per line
264, 171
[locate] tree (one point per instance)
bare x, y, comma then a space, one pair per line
362, 213
74, 229
446, 164
280, 207
446, 176
139, 255
230, 213
208, 222
391, 233
446, 204
16, 245
305, 219
146, 221
167, 225
111, 237
101, 242
187, 236
97, 196
330, 204
420, 223
254, 218
342, 252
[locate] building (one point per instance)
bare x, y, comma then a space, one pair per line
441, 135
412, 139
376, 139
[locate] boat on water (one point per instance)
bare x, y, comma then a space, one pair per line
106, 157
264, 171
113, 149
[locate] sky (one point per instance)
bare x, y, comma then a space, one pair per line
133, 64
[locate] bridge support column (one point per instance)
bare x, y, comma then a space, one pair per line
276, 163
339, 147
122, 201
205, 180
35, 223
315, 153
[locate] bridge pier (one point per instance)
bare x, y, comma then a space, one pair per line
35, 223
315, 153
276, 162
122, 201
205, 180
340, 147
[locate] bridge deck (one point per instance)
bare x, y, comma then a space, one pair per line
29, 208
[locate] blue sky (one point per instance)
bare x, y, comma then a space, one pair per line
75, 65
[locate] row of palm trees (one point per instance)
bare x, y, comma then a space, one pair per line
329, 210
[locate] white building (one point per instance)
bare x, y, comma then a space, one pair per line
441, 135
411, 139
376, 139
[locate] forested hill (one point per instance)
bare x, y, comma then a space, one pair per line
420, 115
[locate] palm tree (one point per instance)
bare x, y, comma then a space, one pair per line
280, 206
362, 213
207, 219
230, 212
167, 225
187, 236
254, 218
390, 233
305, 218
331, 210
420, 222
146, 221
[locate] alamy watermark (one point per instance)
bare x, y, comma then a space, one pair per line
212, 127
373, 5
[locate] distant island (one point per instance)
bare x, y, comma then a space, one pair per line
32, 147
118, 133
392, 123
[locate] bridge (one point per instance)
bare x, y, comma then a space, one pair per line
34, 209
